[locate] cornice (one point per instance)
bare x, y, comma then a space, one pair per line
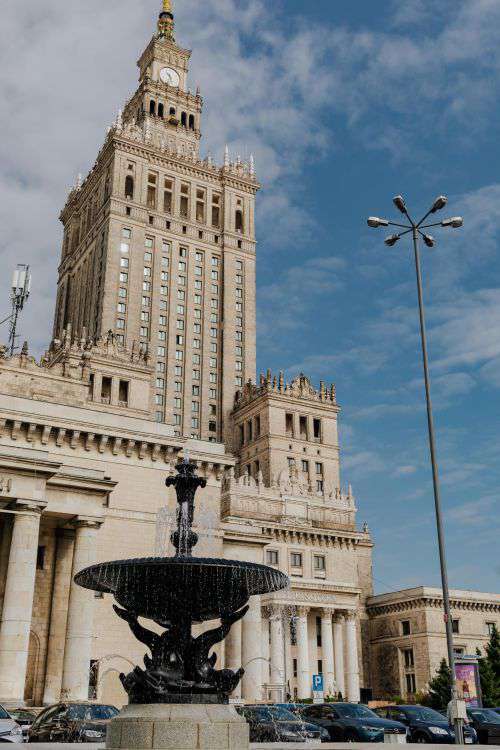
431, 602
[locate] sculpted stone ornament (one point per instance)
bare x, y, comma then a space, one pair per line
175, 593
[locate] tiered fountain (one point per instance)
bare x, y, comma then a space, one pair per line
180, 700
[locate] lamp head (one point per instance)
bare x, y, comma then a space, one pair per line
439, 204
375, 222
455, 222
400, 204
429, 241
391, 241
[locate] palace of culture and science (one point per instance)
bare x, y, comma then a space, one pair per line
153, 359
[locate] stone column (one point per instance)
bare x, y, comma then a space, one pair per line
338, 641
353, 693
277, 646
4, 553
303, 671
18, 601
58, 615
266, 652
233, 653
252, 652
79, 630
327, 648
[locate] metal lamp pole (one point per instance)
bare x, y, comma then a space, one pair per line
415, 229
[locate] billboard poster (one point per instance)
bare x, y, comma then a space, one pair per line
468, 683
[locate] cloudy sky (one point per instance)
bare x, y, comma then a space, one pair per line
344, 104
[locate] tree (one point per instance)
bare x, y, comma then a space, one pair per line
439, 694
493, 652
490, 687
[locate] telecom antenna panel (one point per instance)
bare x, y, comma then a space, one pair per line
19, 293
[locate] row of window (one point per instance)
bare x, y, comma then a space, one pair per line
304, 432
296, 562
158, 109
160, 195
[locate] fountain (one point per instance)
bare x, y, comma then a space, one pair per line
180, 700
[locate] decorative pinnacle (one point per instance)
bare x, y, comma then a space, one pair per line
166, 22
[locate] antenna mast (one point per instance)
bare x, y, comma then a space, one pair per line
20, 291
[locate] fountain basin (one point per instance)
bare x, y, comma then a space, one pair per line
200, 589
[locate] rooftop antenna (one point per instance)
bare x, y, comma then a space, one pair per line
19, 293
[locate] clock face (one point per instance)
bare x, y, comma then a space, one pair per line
170, 76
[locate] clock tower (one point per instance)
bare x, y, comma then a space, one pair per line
163, 102
159, 249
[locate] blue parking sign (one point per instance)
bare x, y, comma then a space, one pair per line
317, 683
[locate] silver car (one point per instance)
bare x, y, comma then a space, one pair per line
10, 731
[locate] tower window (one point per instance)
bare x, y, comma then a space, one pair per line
172, 112
184, 204
239, 221
303, 428
123, 393
151, 195
289, 425
167, 197
152, 107
317, 429
200, 206
129, 187
184, 119
161, 110
191, 122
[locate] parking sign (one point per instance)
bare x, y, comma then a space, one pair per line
318, 688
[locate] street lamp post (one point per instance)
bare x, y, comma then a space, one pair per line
415, 229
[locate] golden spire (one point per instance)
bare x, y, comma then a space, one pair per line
166, 22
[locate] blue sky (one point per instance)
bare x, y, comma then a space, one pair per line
344, 104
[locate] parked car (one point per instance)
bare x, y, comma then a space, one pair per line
10, 731
277, 724
425, 725
25, 718
72, 722
295, 708
351, 722
486, 722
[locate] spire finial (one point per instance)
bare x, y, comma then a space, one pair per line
166, 22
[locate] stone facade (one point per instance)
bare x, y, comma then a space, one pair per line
159, 247
408, 640
89, 433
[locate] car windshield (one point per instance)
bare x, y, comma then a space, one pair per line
425, 714
91, 713
485, 714
281, 714
3, 713
353, 711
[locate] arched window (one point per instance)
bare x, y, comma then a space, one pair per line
172, 111
160, 110
184, 119
152, 107
239, 221
191, 122
129, 187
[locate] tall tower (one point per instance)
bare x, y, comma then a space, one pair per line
159, 247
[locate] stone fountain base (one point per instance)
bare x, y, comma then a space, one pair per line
178, 727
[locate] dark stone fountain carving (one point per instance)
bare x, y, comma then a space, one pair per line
175, 593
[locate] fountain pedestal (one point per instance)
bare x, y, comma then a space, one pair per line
178, 727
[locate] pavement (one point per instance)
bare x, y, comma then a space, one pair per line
260, 746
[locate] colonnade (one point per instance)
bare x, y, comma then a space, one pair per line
261, 643
71, 627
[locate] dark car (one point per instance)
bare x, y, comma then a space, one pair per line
72, 722
277, 724
350, 722
486, 722
425, 725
